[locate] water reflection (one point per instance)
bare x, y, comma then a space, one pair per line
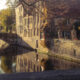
14, 48
1, 70
10, 46
7, 64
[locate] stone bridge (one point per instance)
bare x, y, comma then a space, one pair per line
15, 46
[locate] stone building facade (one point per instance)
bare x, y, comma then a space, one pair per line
29, 22
67, 27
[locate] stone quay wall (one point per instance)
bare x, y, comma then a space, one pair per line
67, 47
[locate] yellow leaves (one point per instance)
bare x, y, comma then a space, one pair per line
44, 16
79, 28
42, 42
46, 23
4, 14
45, 12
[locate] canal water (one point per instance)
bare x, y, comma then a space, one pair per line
61, 64
57, 64
6, 66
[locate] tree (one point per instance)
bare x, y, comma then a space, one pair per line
57, 8
7, 19
11, 3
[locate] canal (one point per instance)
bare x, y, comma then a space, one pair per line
50, 63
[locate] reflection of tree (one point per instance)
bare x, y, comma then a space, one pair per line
6, 64
46, 64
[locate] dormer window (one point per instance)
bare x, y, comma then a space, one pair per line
25, 22
68, 21
20, 19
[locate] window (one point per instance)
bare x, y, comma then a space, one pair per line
25, 32
31, 32
20, 19
21, 29
37, 19
34, 31
28, 33
30, 20
34, 23
41, 35
37, 31
25, 22
21, 8
36, 43
68, 21
37, 23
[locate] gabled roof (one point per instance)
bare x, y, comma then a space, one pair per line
30, 1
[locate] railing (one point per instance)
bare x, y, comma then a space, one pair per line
49, 75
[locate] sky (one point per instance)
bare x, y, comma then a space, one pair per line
3, 4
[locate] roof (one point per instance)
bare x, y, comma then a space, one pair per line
66, 27
59, 8
30, 1
69, 8
27, 5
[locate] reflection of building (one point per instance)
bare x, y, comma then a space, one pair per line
1, 71
1, 28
